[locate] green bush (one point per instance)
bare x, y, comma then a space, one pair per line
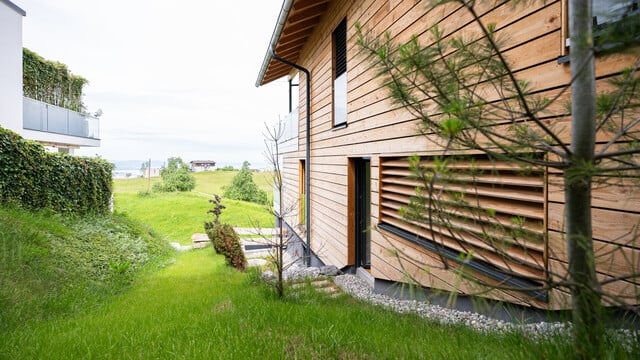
244, 188
36, 179
175, 177
224, 238
226, 242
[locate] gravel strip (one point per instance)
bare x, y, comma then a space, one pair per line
358, 288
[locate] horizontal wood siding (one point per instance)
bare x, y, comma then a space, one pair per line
379, 129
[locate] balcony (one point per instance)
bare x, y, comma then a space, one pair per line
41, 116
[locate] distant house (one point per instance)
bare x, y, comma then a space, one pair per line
42, 121
346, 160
202, 165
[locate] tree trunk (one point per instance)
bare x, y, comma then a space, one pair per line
587, 322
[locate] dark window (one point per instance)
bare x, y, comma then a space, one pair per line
340, 74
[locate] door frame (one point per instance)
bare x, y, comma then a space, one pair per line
357, 207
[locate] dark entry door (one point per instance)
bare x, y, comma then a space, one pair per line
363, 212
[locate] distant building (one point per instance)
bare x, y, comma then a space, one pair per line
202, 165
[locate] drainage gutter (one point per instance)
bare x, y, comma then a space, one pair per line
271, 54
307, 173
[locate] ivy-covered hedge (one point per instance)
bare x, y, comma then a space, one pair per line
51, 82
34, 178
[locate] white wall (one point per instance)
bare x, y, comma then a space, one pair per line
10, 68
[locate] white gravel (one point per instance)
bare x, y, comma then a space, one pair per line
358, 288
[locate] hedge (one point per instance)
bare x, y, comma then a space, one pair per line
33, 178
51, 82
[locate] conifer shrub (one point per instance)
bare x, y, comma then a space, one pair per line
224, 238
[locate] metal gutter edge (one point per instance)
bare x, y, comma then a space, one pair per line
282, 19
307, 173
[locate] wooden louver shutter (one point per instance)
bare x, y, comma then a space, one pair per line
491, 211
340, 43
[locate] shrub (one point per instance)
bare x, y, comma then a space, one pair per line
175, 177
36, 179
224, 238
226, 242
244, 188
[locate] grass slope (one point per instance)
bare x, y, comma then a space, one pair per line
52, 265
178, 215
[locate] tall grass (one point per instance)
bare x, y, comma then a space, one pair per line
52, 265
199, 309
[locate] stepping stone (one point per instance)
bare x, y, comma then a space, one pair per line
256, 262
199, 240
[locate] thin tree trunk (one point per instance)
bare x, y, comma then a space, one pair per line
587, 322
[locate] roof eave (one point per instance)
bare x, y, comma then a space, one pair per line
14, 7
277, 32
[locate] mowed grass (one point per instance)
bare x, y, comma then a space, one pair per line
179, 215
197, 308
209, 182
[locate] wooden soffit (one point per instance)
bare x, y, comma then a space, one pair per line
296, 23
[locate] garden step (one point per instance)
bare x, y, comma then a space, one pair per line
322, 285
199, 240
257, 231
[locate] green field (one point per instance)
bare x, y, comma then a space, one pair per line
179, 215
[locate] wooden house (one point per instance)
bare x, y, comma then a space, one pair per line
348, 168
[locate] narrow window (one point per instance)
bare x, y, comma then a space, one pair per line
302, 192
340, 74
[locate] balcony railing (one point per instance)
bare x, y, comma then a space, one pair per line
289, 141
38, 115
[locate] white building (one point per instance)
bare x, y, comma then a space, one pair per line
35, 120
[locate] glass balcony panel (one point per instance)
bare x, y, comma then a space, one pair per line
57, 120
35, 115
41, 116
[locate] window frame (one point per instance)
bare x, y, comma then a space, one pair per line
598, 29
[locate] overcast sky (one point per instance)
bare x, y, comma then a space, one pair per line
173, 78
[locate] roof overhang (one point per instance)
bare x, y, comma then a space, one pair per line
296, 23
14, 7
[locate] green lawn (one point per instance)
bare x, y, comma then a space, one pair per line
178, 215
209, 182
197, 308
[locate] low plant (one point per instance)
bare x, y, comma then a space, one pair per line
223, 237
226, 242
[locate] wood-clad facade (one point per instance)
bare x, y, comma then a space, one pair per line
358, 170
